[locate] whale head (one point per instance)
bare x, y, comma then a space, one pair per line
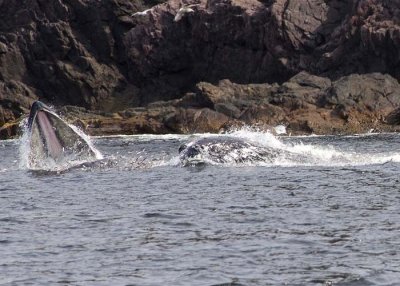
53, 140
226, 150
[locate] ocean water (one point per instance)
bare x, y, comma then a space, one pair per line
138, 217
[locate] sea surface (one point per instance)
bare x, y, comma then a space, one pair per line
138, 217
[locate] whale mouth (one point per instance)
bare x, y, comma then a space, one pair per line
52, 139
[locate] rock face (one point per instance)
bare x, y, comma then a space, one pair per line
290, 60
305, 104
251, 41
64, 52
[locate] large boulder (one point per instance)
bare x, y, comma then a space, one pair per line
369, 93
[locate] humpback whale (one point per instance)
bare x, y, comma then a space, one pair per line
52, 141
225, 149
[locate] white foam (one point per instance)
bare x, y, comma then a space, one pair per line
280, 129
145, 137
299, 154
97, 153
290, 153
24, 145
263, 138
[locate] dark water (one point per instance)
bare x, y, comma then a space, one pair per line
142, 219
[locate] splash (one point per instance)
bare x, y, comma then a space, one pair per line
280, 129
73, 151
267, 149
24, 145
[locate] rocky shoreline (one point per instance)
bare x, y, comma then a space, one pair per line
317, 67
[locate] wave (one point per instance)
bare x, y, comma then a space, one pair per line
278, 152
287, 151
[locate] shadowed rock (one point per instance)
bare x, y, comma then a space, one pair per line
96, 55
305, 104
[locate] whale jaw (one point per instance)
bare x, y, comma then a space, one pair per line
52, 141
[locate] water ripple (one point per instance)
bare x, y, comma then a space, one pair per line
215, 225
